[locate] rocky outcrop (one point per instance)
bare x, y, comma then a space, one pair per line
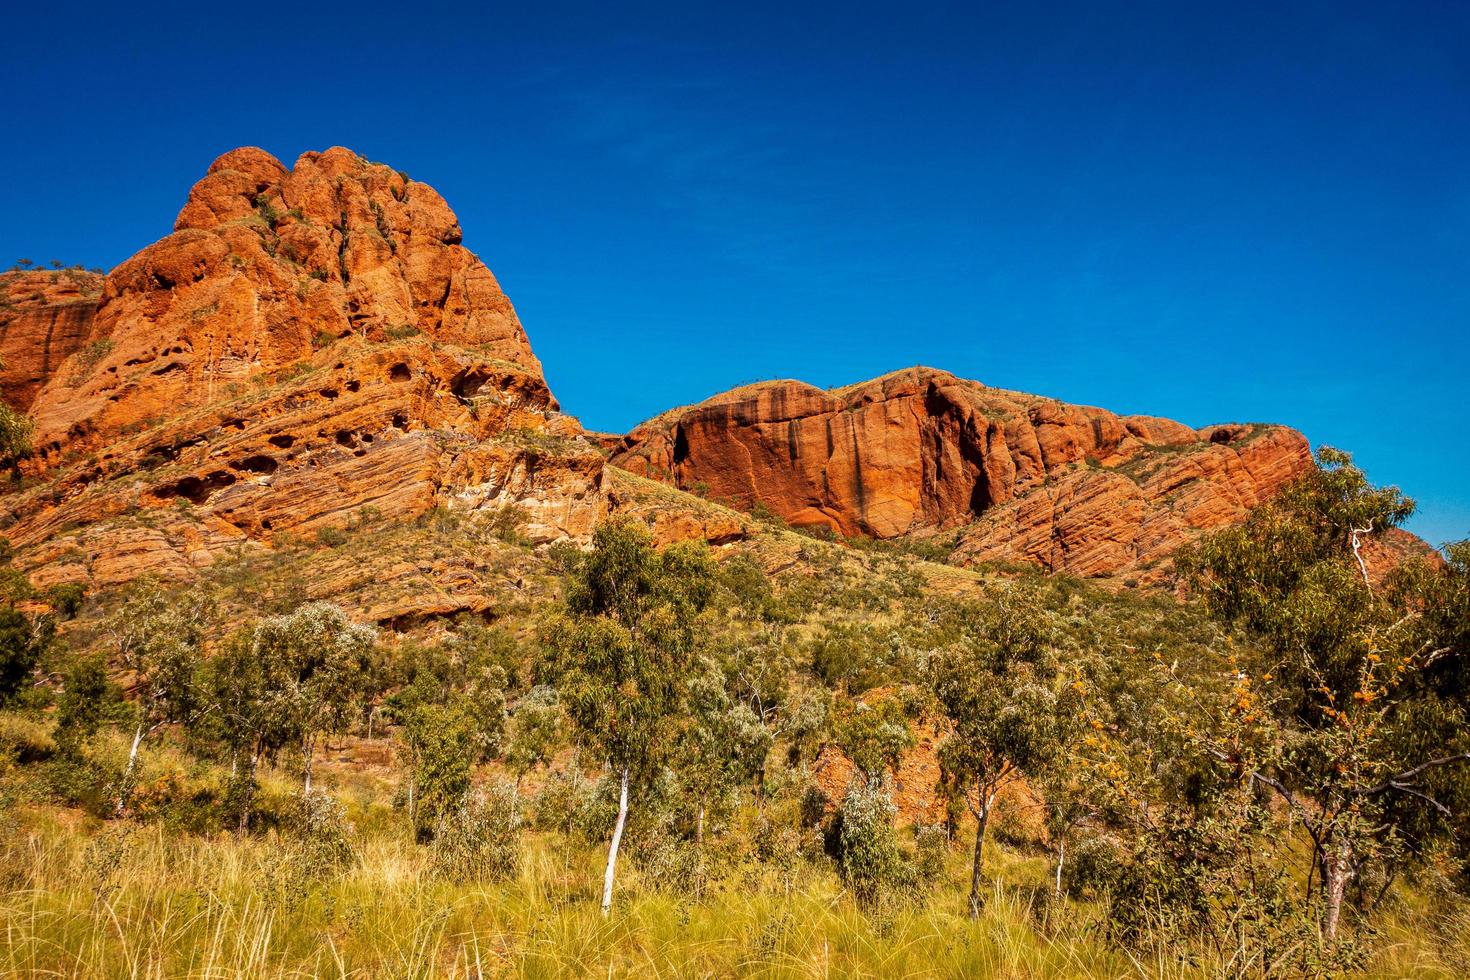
265, 267
44, 317
308, 346
1017, 476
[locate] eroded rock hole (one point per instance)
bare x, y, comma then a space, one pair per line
257, 464
400, 372
282, 442
198, 489
468, 385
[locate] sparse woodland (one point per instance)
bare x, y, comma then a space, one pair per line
627, 765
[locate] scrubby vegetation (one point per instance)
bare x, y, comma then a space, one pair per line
794, 758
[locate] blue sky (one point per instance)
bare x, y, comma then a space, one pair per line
1211, 212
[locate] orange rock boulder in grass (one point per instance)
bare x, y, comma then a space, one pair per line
1016, 476
45, 315
307, 343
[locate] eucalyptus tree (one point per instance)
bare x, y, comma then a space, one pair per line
156, 636
15, 436
997, 690
535, 731
315, 662
724, 744
621, 652
1360, 693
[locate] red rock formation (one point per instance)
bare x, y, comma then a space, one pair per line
307, 343
265, 266
1070, 487
44, 317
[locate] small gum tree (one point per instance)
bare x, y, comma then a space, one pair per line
157, 637
1360, 694
725, 744
621, 653
535, 732
996, 688
316, 663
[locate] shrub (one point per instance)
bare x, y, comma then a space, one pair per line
1093, 868
15, 437
321, 844
21, 644
439, 750
672, 864
66, 598
868, 855
331, 537
931, 846
480, 839
583, 807
87, 780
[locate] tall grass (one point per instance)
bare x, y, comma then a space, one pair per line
130, 901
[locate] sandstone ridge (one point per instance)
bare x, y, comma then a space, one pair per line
1013, 476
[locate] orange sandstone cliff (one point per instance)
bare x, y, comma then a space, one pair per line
1014, 476
307, 343
45, 316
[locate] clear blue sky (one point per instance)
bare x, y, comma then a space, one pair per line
1207, 211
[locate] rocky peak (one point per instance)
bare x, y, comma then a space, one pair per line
1015, 476
266, 266
308, 346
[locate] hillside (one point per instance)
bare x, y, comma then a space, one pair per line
329, 643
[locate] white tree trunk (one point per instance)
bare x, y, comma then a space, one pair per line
612, 849
1336, 871
308, 748
1061, 859
127, 779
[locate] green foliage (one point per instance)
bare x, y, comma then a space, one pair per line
998, 687
724, 743
535, 731
23, 641
439, 752
66, 598
874, 734
1354, 713
620, 655
479, 840
868, 854
321, 844
15, 437
285, 681
88, 700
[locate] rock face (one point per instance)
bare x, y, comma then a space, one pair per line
1018, 477
44, 317
306, 344
264, 267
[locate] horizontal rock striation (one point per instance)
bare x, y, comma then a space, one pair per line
309, 345
1016, 476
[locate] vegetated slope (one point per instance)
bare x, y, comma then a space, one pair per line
1012, 476
306, 344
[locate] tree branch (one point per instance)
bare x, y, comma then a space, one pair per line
1395, 782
